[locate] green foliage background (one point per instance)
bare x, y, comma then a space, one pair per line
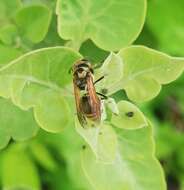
139, 46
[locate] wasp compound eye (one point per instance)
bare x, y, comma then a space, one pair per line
80, 70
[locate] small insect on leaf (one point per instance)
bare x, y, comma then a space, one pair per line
130, 114
88, 104
129, 117
104, 91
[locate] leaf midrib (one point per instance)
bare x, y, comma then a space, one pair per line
64, 91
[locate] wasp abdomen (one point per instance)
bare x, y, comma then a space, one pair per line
85, 105
87, 110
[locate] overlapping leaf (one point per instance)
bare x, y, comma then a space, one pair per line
90, 51
102, 140
8, 9
70, 151
110, 24
18, 170
145, 70
133, 168
7, 54
8, 34
38, 80
129, 117
112, 70
15, 123
137, 69
33, 22
41, 154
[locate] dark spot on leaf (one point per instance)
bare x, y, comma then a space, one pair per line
84, 147
70, 70
84, 59
104, 91
92, 125
130, 114
100, 133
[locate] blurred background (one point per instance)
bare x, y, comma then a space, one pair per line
43, 161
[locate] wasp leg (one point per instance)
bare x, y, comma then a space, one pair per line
99, 80
102, 95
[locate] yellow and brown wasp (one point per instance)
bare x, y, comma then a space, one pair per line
88, 103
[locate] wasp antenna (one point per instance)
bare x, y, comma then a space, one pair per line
102, 95
99, 79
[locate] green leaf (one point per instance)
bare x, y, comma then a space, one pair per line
111, 105
8, 9
101, 139
42, 156
38, 80
33, 22
8, 34
71, 154
112, 70
111, 25
18, 171
145, 70
0, 170
182, 182
165, 20
168, 140
134, 167
8, 54
52, 38
15, 123
45, 2
130, 117
90, 51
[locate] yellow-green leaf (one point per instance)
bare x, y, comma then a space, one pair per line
33, 22
129, 117
145, 70
39, 80
134, 167
111, 24
15, 123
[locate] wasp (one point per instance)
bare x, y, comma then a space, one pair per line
88, 102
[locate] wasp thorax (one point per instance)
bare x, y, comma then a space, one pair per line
82, 71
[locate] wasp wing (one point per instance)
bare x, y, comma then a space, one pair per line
80, 114
94, 100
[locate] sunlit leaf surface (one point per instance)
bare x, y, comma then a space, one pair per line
33, 22
15, 123
38, 80
110, 24
129, 117
145, 70
133, 168
102, 140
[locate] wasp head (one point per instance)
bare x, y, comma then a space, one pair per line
82, 68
